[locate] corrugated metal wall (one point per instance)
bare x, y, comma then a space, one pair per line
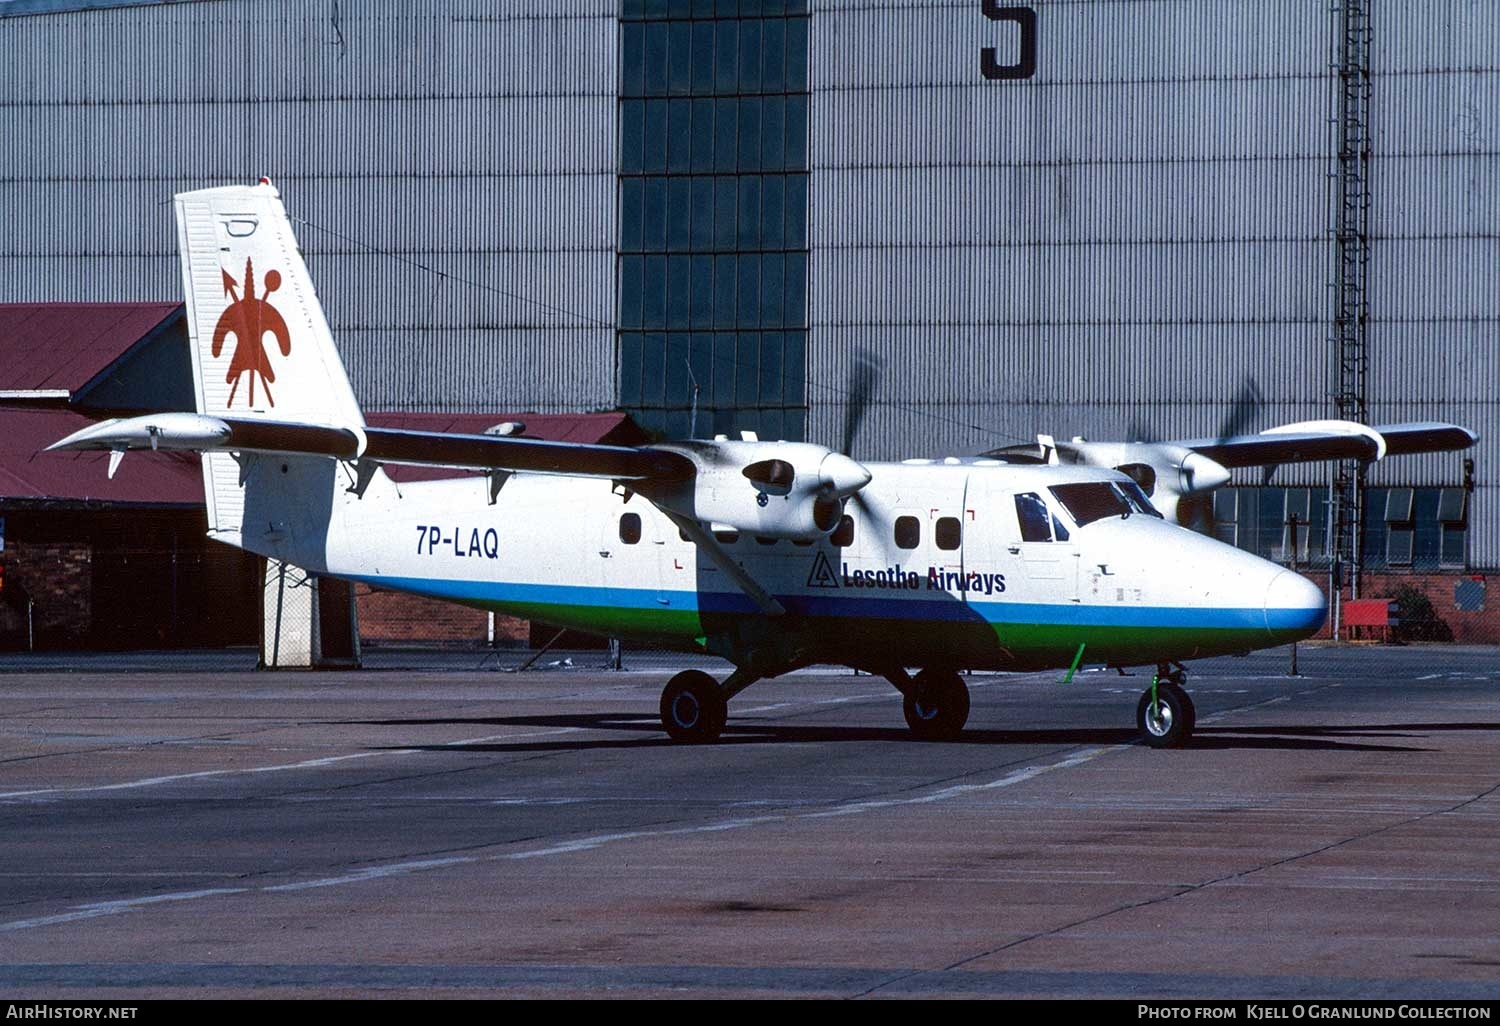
1435, 221
1123, 242
456, 162
1119, 242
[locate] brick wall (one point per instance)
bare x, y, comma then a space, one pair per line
58, 577
392, 618
1479, 623
1460, 601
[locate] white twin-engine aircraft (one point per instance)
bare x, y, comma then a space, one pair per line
773, 555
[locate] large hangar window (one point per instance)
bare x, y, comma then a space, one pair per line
1404, 528
713, 116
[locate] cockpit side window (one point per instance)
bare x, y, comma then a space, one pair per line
1034, 517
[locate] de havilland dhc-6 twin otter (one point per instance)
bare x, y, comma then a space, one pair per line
771, 555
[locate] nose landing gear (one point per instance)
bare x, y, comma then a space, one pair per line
1165, 713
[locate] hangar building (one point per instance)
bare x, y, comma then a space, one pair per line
1154, 218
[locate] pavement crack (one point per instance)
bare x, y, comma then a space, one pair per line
1194, 888
1187, 889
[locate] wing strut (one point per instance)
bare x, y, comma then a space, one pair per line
709, 545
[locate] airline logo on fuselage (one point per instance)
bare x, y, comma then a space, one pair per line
248, 319
822, 575
937, 578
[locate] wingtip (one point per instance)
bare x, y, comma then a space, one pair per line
82, 438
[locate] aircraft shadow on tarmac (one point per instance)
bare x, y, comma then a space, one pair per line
1290, 738
1332, 735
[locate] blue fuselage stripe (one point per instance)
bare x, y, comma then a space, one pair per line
918, 609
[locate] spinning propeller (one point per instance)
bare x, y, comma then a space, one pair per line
863, 383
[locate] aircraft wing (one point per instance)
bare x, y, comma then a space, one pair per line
1402, 439
1331, 440
695, 482
200, 433
1171, 470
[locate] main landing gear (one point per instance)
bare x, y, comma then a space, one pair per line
1165, 713
694, 707
936, 703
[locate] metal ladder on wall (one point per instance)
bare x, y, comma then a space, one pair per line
1350, 199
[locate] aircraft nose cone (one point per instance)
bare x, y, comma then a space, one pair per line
1295, 606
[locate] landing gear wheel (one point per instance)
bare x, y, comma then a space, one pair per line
938, 706
692, 708
1170, 722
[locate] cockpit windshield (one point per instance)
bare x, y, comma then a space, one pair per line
1136, 495
1095, 500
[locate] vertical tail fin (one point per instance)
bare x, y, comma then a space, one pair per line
261, 348
260, 344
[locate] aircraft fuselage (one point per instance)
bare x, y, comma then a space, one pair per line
940, 569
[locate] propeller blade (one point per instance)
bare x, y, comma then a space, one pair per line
1140, 431
1247, 405
864, 381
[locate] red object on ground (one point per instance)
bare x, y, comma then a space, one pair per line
1370, 615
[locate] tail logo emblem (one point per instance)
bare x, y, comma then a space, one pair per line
248, 319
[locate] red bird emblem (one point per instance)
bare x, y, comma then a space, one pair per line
248, 319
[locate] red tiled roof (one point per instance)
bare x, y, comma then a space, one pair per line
63, 345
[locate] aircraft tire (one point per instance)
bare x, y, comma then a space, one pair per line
938, 708
693, 710
1172, 722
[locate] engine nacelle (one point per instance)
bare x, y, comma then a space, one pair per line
791, 490
1166, 472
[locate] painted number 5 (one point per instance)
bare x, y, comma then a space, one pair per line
1025, 18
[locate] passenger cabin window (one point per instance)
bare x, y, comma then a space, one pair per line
908, 532
728, 536
843, 535
949, 533
761, 539
630, 528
